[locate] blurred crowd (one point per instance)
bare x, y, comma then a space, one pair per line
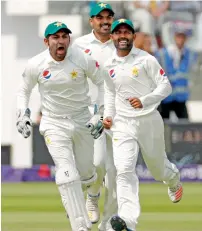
172, 32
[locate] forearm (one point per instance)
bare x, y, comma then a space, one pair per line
109, 105
161, 92
23, 96
100, 98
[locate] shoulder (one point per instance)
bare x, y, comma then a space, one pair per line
79, 57
144, 57
82, 41
38, 59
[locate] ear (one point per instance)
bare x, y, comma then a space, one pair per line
91, 22
46, 42
134, 37
111, 36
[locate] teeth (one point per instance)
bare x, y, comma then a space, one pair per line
105, 26
122, 42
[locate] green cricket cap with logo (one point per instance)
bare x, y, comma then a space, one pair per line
122, 21
98, 7
54, 27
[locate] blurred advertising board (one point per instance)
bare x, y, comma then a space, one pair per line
183, 146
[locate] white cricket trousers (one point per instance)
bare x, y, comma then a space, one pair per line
70, 143
103, 161
71, 146
130, 134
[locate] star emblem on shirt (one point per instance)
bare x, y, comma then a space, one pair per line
74, 74
102, 5
135, 71
58, 24
122, 20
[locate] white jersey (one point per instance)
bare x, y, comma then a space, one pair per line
136, 75
62, 85
99, 51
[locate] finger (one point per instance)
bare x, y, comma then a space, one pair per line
133, 99
136, 105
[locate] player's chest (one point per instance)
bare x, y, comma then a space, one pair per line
128, 73
65, 74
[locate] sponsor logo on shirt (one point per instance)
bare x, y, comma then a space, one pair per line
135, 72
112, 73
162, 72
46, 74
88, 51
74, 74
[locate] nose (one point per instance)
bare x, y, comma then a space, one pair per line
122, 35
61, 40
105, 21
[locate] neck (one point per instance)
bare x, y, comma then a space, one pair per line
102, 37
123, 53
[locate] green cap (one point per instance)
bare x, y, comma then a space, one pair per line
98, 7
122, 21
54, 27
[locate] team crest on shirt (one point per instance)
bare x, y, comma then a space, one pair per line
48, 140
88, 51
135, 71
112, 73
162, 72
46, 74
74, 74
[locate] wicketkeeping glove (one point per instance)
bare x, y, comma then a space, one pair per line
24, 123
95, 126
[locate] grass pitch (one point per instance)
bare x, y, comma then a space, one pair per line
37, 207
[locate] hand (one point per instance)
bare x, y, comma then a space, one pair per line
95, 126
107, 122
24, 124
135, 102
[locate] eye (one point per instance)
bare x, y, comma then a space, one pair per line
99, 17
128, 32
110, 17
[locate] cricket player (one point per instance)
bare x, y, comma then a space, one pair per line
135, 84
61, 76
98, 45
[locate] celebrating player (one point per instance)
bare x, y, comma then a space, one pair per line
135, 84
99, 45
61, 75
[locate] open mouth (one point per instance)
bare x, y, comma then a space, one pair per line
105, 27
61, 50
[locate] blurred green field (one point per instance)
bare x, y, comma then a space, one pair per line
37, 207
